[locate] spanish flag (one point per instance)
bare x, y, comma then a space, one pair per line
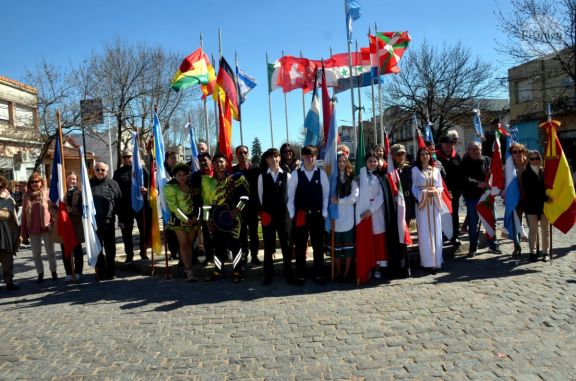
561, 209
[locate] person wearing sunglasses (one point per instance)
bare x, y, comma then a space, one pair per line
535, 196
288, 160
107, 197
37, 224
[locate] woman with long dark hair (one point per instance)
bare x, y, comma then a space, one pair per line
346, 195
288, 160
427, 188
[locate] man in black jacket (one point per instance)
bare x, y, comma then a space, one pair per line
450, 161
107, 197
126, 215
474, 174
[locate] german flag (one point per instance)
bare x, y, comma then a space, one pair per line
226, 86
561, 209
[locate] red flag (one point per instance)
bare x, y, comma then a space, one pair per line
389, 47
421, 143
485, 208
225, 131
561, 210
365, 260
297, 73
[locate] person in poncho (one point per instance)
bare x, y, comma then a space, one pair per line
227, 195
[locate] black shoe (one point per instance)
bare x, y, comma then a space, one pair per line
455, 242
533, 257
256, 261
472, 253
54, 275
517, 252
320, 280
214, 276
236, 277
40, 278
495, 250
195, 261
299, 281
129, 260
267, 281
144, 257
12, 287
205, 263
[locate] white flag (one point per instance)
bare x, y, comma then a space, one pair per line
93, 246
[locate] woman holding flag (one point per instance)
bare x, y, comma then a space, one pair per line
427, 188
184, 215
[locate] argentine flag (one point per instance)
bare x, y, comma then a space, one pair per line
512, 222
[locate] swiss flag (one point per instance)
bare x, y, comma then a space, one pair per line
297, 73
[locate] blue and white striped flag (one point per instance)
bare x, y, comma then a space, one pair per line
93, 246
512, 222
245, 84
312, 121
478, 124
193, 149
161, 179
331, 167
137, 176
353, 13
428, 135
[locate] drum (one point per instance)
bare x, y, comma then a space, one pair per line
223, 218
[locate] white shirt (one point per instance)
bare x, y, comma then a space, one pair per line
345, 220
274, 177
293, 184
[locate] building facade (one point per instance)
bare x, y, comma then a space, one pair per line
20, 140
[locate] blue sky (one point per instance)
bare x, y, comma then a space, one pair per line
67, 31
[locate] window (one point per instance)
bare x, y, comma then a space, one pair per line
524, 91
4, 114
23, 117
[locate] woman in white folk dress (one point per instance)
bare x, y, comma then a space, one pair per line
427, 189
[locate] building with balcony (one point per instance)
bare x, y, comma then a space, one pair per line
20, 140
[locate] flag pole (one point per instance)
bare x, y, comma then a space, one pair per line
359, 108
373, 104
146, 238
303, 100
380, 116
270, 106
216, 114
204, 103
109, 146
59, 126
239, 103
349, 44
285, 109
549, 114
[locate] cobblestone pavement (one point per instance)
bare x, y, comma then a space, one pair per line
487, 317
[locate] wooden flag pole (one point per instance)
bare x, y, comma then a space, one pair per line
285, 109
204, 104
152, 165
332, 234
303, 100
239, 103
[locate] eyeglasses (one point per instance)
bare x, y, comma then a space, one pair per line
100, 170
534, 159
517, 151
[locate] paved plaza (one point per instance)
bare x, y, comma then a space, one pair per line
487, 317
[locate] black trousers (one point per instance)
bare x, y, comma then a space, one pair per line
280, 227
105, 265
208, 241
78, 260
144, 231
223, 242
313, 228
455, 217
249, 230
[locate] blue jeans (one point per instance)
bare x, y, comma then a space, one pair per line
474, 225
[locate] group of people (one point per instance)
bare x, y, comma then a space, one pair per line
215, 211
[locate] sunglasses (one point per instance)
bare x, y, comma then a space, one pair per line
35, 181
100, 170
534, 159
516, 152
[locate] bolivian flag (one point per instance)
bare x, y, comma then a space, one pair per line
561, 210
194, 70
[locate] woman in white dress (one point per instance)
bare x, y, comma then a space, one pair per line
427, 189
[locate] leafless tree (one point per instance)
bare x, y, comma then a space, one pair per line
442, 84
537, 28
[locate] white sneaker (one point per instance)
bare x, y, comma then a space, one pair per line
68, 278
